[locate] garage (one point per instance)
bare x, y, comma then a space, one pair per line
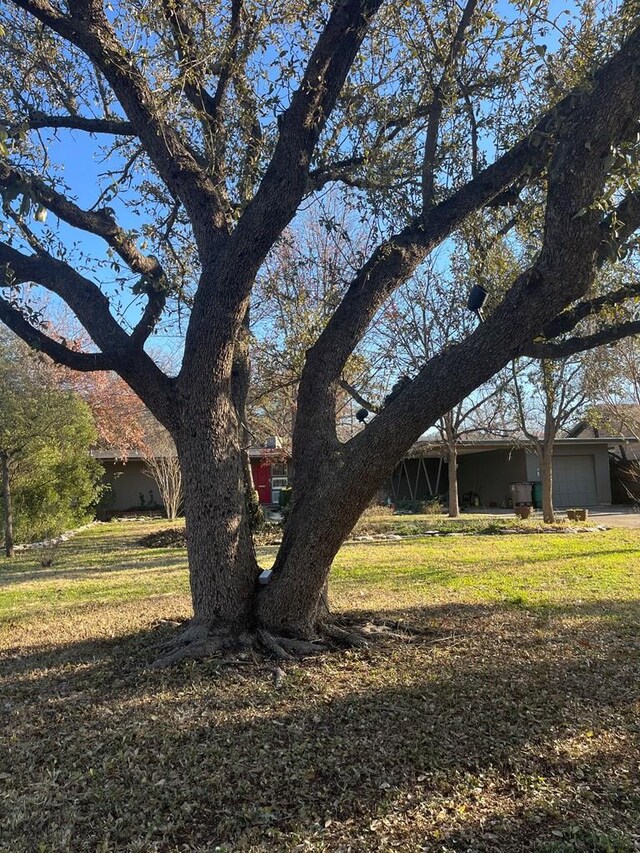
574, 481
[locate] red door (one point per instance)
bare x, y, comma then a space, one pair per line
262, 481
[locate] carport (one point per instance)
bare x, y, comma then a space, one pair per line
486, 467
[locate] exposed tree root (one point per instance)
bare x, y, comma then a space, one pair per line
272, 645
353, 639
303, 647
190, 649
199, 641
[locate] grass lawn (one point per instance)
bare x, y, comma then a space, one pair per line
512, 724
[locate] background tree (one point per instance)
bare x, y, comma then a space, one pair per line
298, 290
548, 396
162, 465
614, 387
424, 317
214, 125
119, 414
50, 482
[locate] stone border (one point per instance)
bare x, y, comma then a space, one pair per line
57, 540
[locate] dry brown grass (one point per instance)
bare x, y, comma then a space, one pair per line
509, 726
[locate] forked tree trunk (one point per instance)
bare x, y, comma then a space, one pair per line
452, 464
6, 501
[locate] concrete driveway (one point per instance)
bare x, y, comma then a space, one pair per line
611, 516
615, 516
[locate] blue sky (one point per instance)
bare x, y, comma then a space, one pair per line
76, 152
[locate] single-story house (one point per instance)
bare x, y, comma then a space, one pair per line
486, 467
624, 453
131, 488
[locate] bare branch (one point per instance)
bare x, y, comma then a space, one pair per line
37, 340
40, 121
437, 106
357, 396
473, 127
571, 346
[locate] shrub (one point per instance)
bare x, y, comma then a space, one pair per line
431, 506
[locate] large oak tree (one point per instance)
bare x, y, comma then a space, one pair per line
215, 122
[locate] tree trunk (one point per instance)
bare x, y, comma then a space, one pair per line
452, 464
8, 512
294, 602
223, 568
545, 455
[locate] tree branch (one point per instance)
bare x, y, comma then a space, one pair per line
37, 340
37, 120
102, 224
357, 396
84, 297
207, 106
285, 180
563, 271
571, 346
396, 259
121, 351
88, 29
98, 222
569, 319
626, 218
437, 106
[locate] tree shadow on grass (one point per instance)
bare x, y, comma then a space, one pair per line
82, 573
493, 732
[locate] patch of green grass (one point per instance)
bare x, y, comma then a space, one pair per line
106, 564
99, 566
508, 725
415, 525
534, 569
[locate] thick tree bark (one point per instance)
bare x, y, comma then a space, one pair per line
8, 512
295, 602
223, 568
452, 464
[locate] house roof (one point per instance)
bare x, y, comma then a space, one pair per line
608, 424
116, 454
434, 447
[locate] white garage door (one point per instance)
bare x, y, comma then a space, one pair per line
574, 481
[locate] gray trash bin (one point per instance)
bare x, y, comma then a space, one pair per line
521, 494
